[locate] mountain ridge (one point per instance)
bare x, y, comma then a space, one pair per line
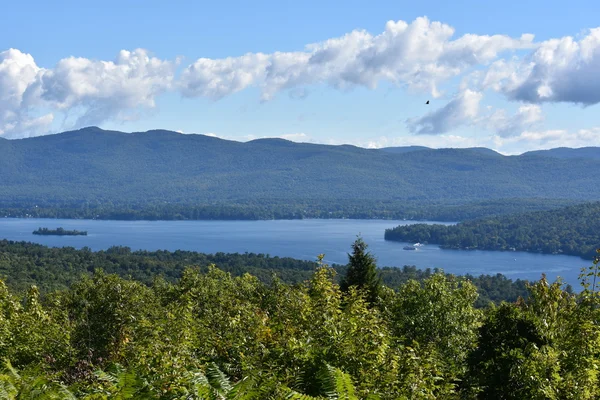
92, 164
568, 152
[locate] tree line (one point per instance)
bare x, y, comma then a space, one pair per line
211, 335
570, 230
23, 264
265, 209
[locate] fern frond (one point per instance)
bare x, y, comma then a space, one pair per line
335, 384
11, 371
8, 390
293, 395
244, 390
217, 379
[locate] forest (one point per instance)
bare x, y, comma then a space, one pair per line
23, 264
265, 209
212, 335
571, 230
95, 165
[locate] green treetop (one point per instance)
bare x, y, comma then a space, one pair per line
362, 271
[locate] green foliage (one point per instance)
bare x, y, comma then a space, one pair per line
25, 264
30, 385
213, 335
440, 313
362, 272
571, 230
542, 348
335, 384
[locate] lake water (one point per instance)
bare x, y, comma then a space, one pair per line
302, 239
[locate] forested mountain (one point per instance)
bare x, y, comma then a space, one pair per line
403, 149
570, 230
565, 152
408, 149
93, 165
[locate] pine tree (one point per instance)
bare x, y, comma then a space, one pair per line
362, 271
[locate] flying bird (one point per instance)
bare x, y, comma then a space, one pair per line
427, 102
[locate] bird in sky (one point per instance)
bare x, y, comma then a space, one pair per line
427, 102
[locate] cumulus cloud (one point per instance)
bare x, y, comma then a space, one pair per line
18, 71
95, 90
505, 126
216, 79
463, 109
421, 55
559, 70
106, 89
417, 55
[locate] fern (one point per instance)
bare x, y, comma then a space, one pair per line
218, 380
293, 395
125, 383
17, 386
335, 384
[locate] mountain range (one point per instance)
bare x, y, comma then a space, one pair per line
92, 164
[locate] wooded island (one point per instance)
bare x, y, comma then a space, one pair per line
59, 232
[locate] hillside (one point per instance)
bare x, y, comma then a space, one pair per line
570, 230
404, 149
162, 166
568, 153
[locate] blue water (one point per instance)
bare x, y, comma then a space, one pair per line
302, 239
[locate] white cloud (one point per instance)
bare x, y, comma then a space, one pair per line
96, 90
463, 109
218, 78
417, 55
18, 71
505, 126
550, 139
295, 137
107, 89
559, 70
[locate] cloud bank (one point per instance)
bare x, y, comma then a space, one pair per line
419, 56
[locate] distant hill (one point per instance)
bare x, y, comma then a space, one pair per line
403, 149
92, 164
408, 149
566, 152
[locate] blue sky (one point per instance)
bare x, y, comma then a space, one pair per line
510, 92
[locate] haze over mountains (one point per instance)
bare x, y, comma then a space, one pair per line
93, 164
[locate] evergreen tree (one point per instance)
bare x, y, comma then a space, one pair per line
362, 271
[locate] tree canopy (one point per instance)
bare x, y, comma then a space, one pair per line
211, 335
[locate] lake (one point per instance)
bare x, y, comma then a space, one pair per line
302, 239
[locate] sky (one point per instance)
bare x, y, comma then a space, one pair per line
513, 76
